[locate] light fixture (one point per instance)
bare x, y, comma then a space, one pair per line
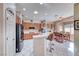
24, 9
35, 12
41, 3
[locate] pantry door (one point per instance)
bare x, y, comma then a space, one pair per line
10, 32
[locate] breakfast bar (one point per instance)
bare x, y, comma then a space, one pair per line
39, 44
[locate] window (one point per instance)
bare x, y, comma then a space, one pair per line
69, 28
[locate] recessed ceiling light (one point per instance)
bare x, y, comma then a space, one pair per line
41, 3
24, 9
35, 12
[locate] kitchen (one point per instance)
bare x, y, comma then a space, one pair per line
35, 29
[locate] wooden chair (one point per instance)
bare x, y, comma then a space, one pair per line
67, 36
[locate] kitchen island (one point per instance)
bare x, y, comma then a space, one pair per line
39, 44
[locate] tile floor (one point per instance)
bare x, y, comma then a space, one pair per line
27, 48
60, 49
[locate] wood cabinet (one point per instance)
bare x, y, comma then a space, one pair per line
18, 21
37, 26
29, 36
28, 24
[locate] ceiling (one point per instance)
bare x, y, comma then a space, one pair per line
46, 11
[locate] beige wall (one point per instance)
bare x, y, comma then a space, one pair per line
1, 29
57, 25
76, 32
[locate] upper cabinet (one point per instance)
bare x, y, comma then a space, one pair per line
29, 25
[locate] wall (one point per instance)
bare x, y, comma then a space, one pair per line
58, 24
59, 27
76, 32
1, 30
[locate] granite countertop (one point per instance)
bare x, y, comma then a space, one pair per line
41, 35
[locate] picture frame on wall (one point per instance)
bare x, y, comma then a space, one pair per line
76, 25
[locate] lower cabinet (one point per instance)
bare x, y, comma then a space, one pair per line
27, 36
